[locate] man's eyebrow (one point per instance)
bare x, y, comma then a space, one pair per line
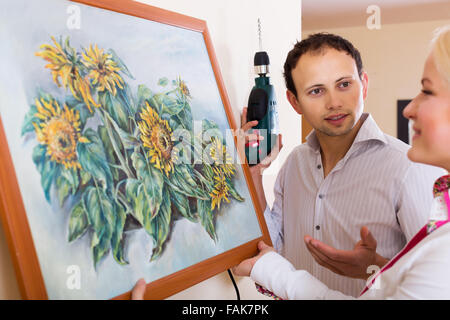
321, 85
344, 77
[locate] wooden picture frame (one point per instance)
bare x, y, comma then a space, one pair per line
14, 214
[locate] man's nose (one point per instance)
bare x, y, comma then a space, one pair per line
333, 101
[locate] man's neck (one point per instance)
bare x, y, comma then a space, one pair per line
333, 149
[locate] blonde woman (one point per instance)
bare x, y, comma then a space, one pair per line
422, 269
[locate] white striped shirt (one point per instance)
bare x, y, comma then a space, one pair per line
374, 185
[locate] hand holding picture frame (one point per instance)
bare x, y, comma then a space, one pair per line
116, 154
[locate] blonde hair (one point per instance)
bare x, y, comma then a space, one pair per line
441, 51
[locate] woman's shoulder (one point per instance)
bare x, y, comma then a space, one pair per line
435, 248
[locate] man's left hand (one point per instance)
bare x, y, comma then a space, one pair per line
350, 263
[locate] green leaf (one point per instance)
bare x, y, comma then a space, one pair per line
207, 182
182, 180
116, 109
168, 104
206, 217
85, 177
71, 175
109, 151
126, 97
100, 246
27, 125
38, 156
93, 159
100, 215
49, 170
117, 240
143, 205
161, 225
163, 82
78, 222
186, 116
81, 107
127, 139
233, 192
146, 192
209, 124
210, 129
145, 94
63, 188
181, 202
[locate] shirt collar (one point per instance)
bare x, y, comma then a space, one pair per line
368, 131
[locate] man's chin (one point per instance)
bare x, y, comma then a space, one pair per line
335, 132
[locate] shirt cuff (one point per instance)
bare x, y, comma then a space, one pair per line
262, 271
279, 276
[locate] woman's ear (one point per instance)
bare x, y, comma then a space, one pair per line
293, 101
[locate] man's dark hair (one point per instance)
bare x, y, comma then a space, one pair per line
316, 43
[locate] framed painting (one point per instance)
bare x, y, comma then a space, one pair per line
118, 158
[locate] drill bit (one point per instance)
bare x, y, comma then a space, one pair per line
259, 34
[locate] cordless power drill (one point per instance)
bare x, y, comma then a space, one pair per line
262, 106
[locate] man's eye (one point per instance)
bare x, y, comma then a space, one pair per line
344, 84
315, 92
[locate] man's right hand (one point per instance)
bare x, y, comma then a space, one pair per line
257, 170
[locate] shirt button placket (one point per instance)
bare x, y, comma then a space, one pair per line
319, 199
318, 214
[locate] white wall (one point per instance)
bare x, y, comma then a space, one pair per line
233, 29
393, 58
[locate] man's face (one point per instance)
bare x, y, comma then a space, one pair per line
330, 93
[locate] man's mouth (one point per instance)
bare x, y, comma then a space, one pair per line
336, 119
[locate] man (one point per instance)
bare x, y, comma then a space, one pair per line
348, 176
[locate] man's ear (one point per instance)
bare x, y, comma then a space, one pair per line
365, 82
293, 101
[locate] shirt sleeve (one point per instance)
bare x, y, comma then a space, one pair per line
274, 217
279, 276
415, 198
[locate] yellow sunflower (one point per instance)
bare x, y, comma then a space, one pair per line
59, 131
156, 136
182, 87
222, 159
221, 189
63, 63
103, 70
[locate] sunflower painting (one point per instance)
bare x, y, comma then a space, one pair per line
126, 168
120, 148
